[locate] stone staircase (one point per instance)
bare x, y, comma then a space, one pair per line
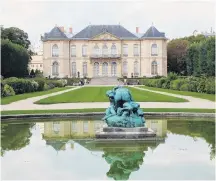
105, 81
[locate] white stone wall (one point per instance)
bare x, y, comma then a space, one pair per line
144, 59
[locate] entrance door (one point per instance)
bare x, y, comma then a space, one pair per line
96, 69
113, 69
105, 69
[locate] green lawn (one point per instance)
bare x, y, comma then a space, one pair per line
97, 94
9, 99
103, 110
210, 97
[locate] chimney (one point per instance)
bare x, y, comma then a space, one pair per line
70, 30
137, 29
62, 28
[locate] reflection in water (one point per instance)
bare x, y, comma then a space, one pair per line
15, 136
124, 159
195, 129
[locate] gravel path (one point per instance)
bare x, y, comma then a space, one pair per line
28, 104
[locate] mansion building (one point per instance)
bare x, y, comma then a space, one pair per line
104, 51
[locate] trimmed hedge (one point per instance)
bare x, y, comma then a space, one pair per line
12, 86
193, 84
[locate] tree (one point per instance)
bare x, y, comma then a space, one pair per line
176, 55
16, 35
32, 73
15, 136
38, 73
15, 59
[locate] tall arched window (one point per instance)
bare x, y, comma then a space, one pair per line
55, 51
55, 69
73, 51
125, 50
74, 69
113, 50
154, 68
136, 50
125, 68
96, 69
56, 127
96, 50
85, 69
136, 68
154, 50
105, 50
84, 50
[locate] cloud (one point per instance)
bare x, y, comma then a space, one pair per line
175, 18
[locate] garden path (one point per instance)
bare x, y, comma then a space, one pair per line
28, 104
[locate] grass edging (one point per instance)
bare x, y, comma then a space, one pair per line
163, 112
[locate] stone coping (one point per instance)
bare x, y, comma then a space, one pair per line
92, 114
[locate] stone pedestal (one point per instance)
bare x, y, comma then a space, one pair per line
125, 133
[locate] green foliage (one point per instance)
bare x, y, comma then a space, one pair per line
15, 136
176, 84
194, 55
16, 35
38, 73
32, 73
184, 87
14, 59
20, 86
7, 91
41, 83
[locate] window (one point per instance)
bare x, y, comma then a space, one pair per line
55, 69
85, 126
73, 51
154, 51
113, 50
74, 69
84, 50
136, 68
56, 127
154, 68
40, 65
32, 65
125, 71
105, 50
125, 50
85, 69
96, 50
55, 51
74, 126
136, 50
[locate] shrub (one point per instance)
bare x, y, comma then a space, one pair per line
41, 83
7, 91
172, 76
35, 85
166, 84
46, 87
176, 84
20, 86
210, 86
160, 82
184, 87
201, 85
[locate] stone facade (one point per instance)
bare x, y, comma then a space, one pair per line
104, 51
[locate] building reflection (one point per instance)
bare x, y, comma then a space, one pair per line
58, 133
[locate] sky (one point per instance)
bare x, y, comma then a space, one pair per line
175, 18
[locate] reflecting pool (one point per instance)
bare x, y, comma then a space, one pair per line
65, 149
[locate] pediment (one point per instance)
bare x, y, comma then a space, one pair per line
105, 36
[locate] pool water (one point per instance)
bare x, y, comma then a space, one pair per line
65, 149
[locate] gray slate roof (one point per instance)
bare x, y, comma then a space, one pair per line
93, 30
54, 34
152, 32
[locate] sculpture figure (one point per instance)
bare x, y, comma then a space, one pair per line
123, 111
